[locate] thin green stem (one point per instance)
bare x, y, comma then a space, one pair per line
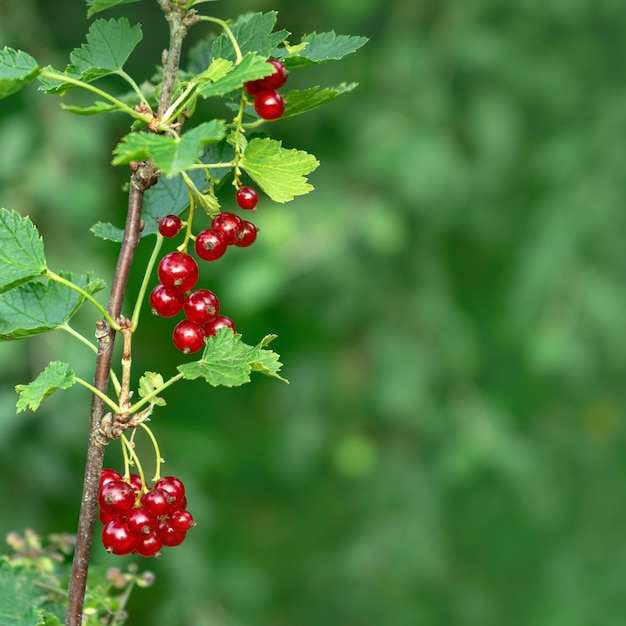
157, 451
238, 122
134, 457
192, 207
207, 166
130, 80
126, 475
97, 392
229, 34
135, 407
144, 285
179, 104
68, 283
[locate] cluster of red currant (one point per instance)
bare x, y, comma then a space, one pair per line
268, 103
140, 520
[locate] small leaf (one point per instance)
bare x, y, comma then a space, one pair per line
251, 67
17, 69
97, 107
56, 376
148, 383
171, 155
104, 230
299, 102
21, 250
279, 172
100, 5
324, 47
228, 362
40, 306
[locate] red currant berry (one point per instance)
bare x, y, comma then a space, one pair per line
169, 226
108, 475
165, 302
210, 245
228, 224
269, 105
188, 336
149, 545
170, 536
117, 497
155, 502
178, 271
219, 322
275, 80
247, 234
247, 198
116, 537
174, 489
106, 517
181, 521
201, 306
141, 522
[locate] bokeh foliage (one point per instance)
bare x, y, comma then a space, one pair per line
450, 306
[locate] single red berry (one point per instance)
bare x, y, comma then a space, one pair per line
247, 234
269, 105
268, 83
116, 537
228, 224
156, 502
181, 520
219, 322
247, 198
106, 517
170, 536
141, 522
134, 480
210, 245
116, 496
108, 475
178, 271
170, 225
166, 302
188, 336
149, 545
201, 306
174, 488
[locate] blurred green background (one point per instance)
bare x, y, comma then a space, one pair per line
450, 306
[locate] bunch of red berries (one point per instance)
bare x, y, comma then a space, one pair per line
140, 520
268, 103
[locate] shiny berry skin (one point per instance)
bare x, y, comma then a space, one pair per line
149, 545
174, 489
170, 225
188, 336
228, 225
134, 480
108, 475
219, 322
156, 502
181, 520
210, 245
141, 522
201, 306
178, 271
116, 537
170, 536
268, 83
166, 302
116, 497
247, 234
269, 105
247, 198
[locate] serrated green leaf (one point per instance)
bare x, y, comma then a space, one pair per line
148, 383
42, 305
100, 5
299, 102
280, 173
171, 155
56, 376
17, 69
324, 47
228, 362
253, 33
21, 593
252, 67
21, 250
107, 231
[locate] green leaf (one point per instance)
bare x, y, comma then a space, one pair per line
100, 5
228, 362
56, 376
253, 33
21, 250
148, 383
299, 102
107, 231
252, 67
97, 107
42, 305
324, 47
22, 591
171, 155
17, 69
279, 172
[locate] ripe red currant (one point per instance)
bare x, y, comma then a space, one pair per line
116, 537
201, 306
166, 302
181, 520
169, 226
269, 105
134, 480
149, 545
108, 475
169, 535
116, 496
178, 271
141, 522
155, 502
219, 322
247, 197
210, 245
228, 224
188, 336
247, 234
268, 83
174, 488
